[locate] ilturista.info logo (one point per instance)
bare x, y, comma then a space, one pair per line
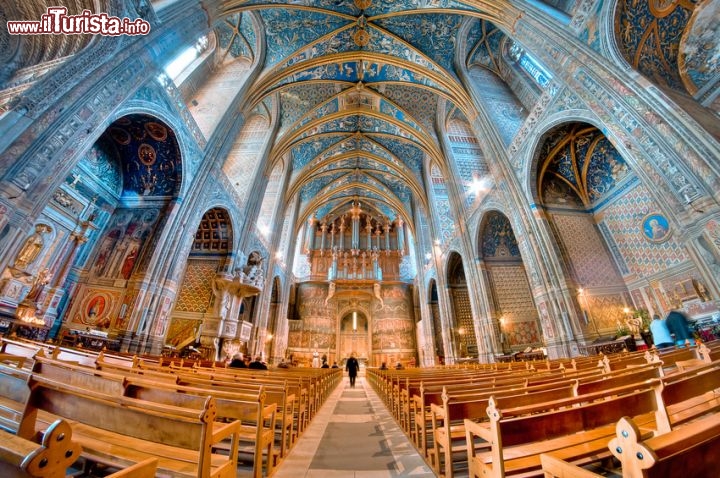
57, 22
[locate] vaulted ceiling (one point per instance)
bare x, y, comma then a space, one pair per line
361, 87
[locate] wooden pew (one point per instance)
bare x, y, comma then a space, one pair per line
121, 431
306, 385
256, 418
21, 348
688, 451
289, 393
687, 356
49, 457
448, 419
704, 355
247, 405
432, 395
12, 360
691, 394
523, 400
578, 433
278, 395
619, 379
14, 394
291, 411
52, 454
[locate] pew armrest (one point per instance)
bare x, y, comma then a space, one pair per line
481, 430
222, 431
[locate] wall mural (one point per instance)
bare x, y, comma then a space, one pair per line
123, 243
698, 57
626, 218
512, 291
244, 156
655, 227
96, 308
513, 299
649, 35
498, 239
149, 154
391, 316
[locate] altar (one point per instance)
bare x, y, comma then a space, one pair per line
93, 340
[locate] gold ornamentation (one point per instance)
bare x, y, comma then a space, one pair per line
147, 154
32, 247
363, 4
156, 131
120, 135
361, 38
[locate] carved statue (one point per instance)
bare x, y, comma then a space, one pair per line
253, 271
702, 291
633, 325
38, 285
32, 247
378, 295
331, 292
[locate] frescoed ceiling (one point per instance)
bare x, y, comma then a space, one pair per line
579, 163
650, 36
360, 86
148, 153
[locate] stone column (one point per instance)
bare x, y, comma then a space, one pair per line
56, 291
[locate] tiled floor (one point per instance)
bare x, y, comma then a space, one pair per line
353, 436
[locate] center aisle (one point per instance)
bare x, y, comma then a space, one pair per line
353, 436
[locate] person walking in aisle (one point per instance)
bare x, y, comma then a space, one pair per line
352, 366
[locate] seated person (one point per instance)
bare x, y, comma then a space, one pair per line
257, 364
237, 361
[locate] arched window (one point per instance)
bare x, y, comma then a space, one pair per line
181, 62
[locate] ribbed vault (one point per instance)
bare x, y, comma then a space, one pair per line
360, 85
